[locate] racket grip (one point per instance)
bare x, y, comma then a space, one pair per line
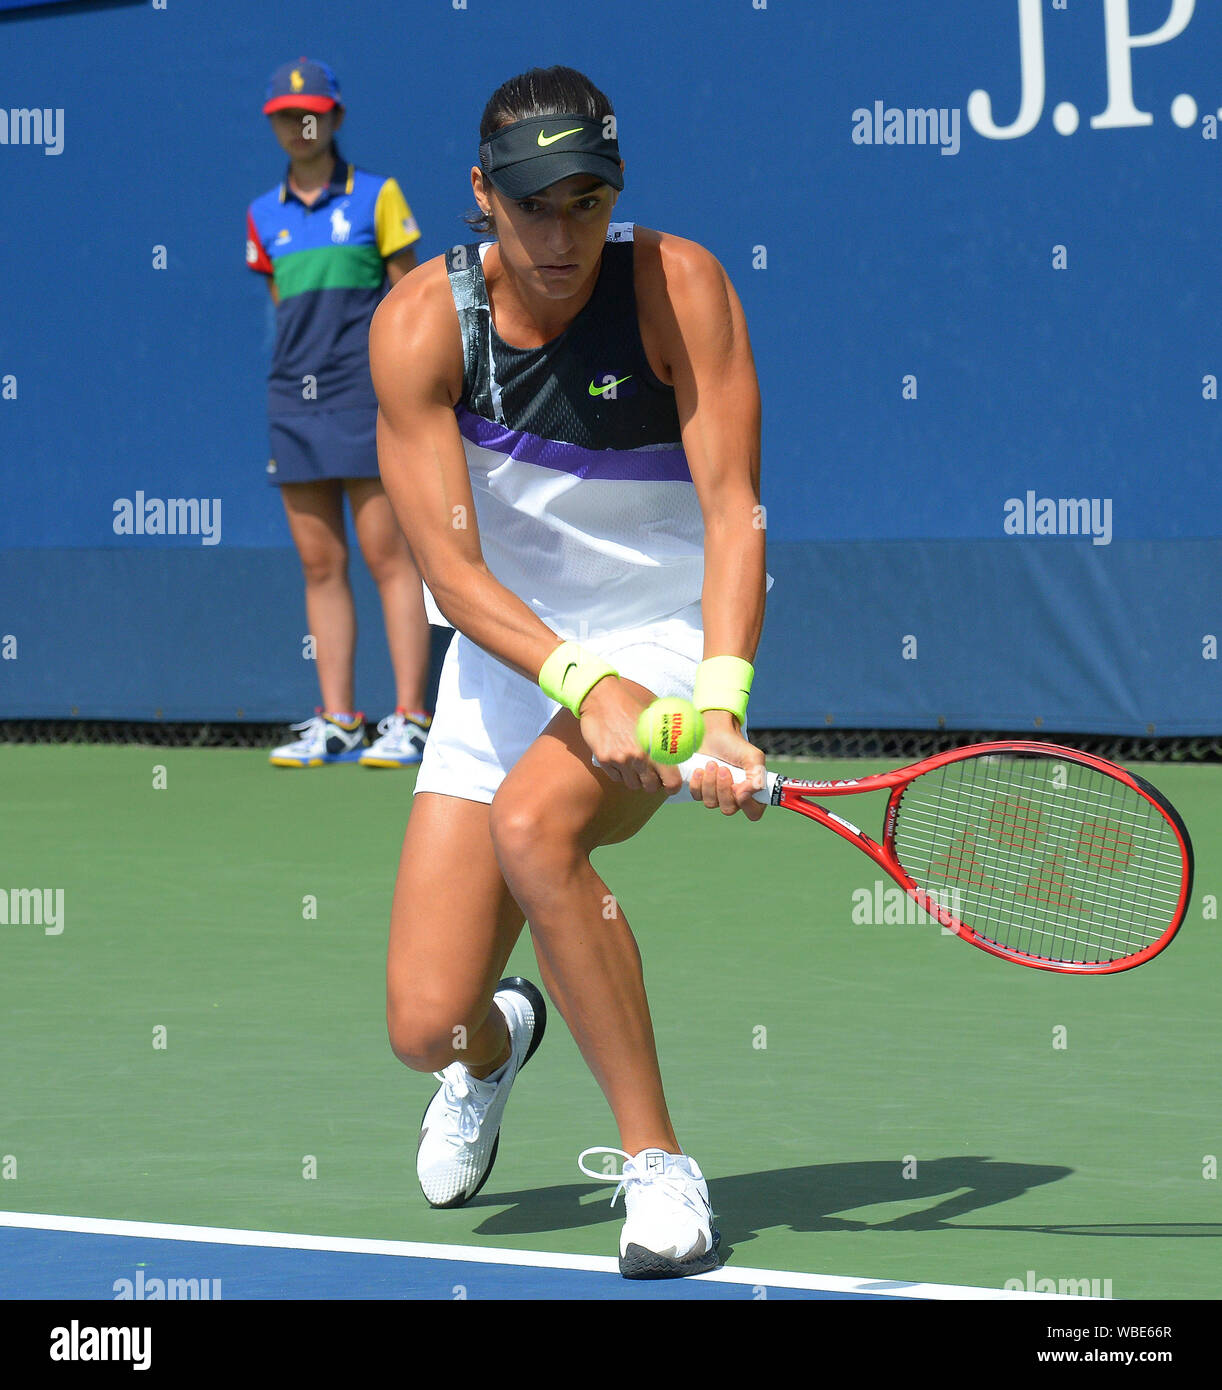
701, 760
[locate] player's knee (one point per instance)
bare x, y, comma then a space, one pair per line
524, 830
424, 1039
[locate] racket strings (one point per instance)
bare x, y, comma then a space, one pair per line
1096, 838
1113, 873
1042, 856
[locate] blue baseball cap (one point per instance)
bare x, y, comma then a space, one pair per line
304, 85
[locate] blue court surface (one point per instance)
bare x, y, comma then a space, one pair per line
56, 1257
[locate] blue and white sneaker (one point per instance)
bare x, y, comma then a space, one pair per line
401, 743
324, 739
460, 1131
669, 1231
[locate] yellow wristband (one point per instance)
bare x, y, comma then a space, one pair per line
723, 682
570, 673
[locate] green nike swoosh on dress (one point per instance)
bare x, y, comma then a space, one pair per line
602, 390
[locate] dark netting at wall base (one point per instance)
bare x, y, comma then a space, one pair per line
900, 746
894, 746
149, 734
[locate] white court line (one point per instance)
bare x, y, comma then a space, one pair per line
472, 1254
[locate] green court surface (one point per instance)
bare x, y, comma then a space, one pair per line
869, 1100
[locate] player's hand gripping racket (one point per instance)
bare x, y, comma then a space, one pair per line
1041, 855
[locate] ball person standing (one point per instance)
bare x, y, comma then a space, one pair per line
330, 238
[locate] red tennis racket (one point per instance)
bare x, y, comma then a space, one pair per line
1038, 854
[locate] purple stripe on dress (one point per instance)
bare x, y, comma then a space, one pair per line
662, 463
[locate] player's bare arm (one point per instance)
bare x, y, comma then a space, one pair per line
693, 321
415, 356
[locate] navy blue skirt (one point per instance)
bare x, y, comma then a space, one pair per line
311, 446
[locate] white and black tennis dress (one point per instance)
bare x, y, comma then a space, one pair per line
585, 503
586, 511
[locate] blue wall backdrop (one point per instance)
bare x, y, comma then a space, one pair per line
946, 333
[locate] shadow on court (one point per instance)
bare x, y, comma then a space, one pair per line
821, 1197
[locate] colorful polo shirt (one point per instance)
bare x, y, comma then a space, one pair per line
328, 263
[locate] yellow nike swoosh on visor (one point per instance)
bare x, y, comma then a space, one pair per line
602, 390
546, 140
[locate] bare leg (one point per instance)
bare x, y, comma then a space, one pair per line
453, 926
390, 562
552, 810
316, 519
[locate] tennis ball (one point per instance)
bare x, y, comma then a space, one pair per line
670, 730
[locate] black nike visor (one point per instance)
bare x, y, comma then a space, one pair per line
522, 158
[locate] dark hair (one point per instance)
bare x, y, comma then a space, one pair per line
557, 91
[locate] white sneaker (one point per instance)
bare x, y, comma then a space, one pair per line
401, 743
669, 1227
324, 739
460, 1130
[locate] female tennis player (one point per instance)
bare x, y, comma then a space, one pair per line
569, 433
329, 238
